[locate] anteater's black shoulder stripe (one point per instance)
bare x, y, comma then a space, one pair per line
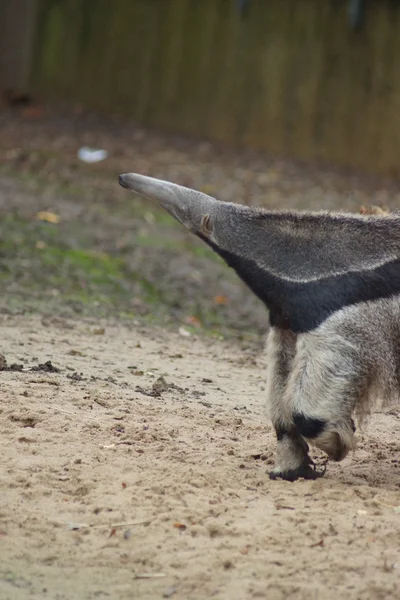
317, 300
302, 307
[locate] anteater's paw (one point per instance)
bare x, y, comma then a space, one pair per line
305, 471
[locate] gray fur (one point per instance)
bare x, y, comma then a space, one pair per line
344, 366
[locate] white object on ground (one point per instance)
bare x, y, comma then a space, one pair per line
91, 155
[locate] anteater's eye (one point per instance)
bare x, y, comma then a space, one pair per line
206, 225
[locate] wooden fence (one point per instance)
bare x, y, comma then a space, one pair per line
288, 76
17, 31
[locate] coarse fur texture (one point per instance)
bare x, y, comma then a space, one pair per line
331, 283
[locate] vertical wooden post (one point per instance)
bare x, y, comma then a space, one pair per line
17, 28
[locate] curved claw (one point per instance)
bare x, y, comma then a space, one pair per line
322, 465
308, 470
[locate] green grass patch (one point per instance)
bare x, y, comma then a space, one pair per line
38, 262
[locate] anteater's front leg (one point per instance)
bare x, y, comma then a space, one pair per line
292, 460
326, 379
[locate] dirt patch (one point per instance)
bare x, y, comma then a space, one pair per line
137, 467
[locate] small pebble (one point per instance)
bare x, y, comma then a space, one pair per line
169, 592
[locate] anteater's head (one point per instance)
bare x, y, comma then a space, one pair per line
235, 232
195, 210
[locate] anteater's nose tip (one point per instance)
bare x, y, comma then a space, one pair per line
122, 180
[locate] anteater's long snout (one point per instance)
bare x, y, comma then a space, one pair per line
147, 186
186, 205
166, 193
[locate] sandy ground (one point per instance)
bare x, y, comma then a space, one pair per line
118, 484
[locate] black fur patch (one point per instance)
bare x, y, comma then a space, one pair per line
308, 427
280, 432
302, 307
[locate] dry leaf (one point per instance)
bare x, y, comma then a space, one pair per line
223, 300
49, 217
33, 112
373, 210
99, 331
192, 320
208, 189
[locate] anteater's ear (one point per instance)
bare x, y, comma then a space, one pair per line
192, 208
206, 225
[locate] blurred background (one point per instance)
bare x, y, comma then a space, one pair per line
279, 103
